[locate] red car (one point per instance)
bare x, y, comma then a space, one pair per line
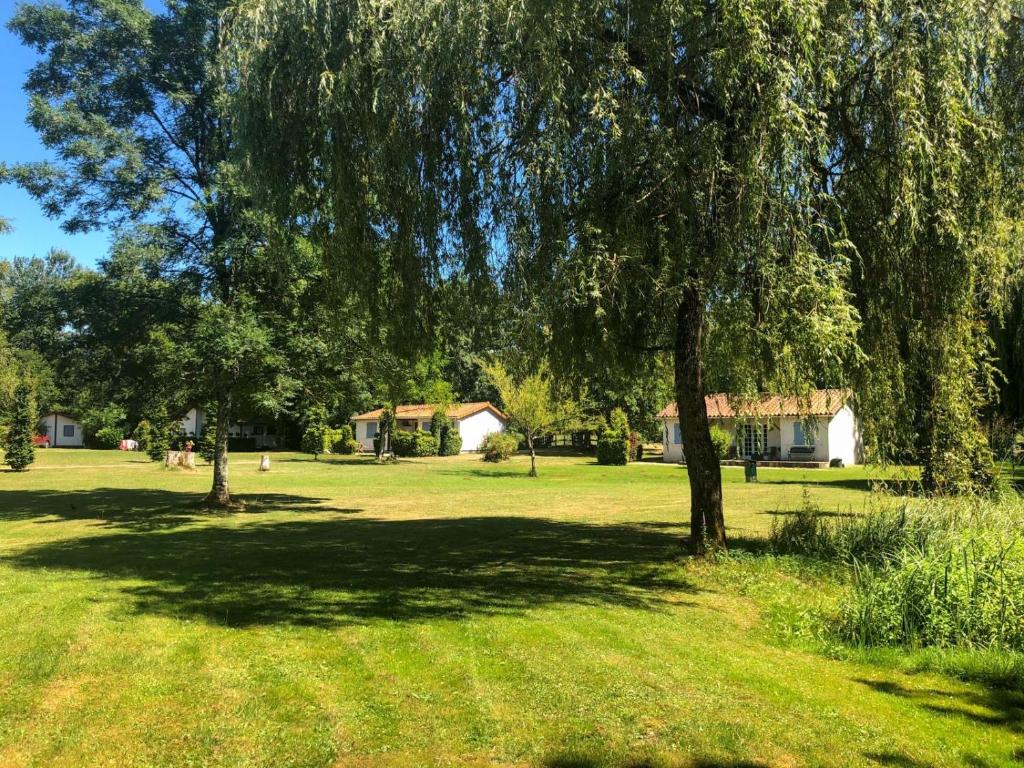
41, 441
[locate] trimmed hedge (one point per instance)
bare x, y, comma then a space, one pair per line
613, 447
418, 443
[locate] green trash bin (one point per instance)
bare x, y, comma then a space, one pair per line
750, 470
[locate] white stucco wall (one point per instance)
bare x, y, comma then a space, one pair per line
363, 436
474, 428
54, 423
787, 430
193, 422
844, 437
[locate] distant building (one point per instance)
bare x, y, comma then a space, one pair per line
473, 420
59, 430
819, 427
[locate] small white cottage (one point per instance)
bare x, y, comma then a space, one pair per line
59, 430
817, 428
473, 420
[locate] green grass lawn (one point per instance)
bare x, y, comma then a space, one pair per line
435, 612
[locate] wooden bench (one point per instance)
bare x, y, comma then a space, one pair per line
801, 452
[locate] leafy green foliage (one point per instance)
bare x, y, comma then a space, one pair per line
613, 443
316, 434
143, 435
207, 448
161, 432
925, 572
343, 442
722, 440
534, 405
21, 430
447, 434
108, 420
417, 443
107, 438
499, 446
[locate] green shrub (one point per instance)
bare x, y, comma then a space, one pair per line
418, 443
161, 432
449, 439
722, 440
313, 439
343, 442
143, 434
107, 438
21, 431
613, 447
499, 446
107, 420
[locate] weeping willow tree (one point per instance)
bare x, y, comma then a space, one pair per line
644, 175
687, 177
917, 175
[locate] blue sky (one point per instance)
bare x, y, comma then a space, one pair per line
34, 234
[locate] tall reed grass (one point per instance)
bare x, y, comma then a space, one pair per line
924, 572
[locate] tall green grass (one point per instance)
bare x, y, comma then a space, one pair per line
923, 572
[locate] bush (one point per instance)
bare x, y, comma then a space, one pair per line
143, 434
313, 439
106, 420
343, 442
449, 439
161, 432
418, 443
722, 440
924, 572
613, 447
499, 446
107, 438
18, 447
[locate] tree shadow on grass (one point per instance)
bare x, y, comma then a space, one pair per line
140, 509
988, 706
333, 571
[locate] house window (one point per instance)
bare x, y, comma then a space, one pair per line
804, 432
755, 439
426, 426
677, 435
371, 430
257, 429
69, 430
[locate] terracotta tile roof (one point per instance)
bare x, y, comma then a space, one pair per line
819, 402
424, 411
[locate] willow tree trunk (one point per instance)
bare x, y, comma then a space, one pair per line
533, 456
707, 522
219, 494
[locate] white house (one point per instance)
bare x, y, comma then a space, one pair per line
473, 420
264, 434
818, 427
59, 430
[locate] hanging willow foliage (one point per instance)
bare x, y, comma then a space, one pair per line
763, 189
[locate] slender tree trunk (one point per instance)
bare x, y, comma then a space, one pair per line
219, 494
533, 456
707, 522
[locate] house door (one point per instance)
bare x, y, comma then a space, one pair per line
755, 439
